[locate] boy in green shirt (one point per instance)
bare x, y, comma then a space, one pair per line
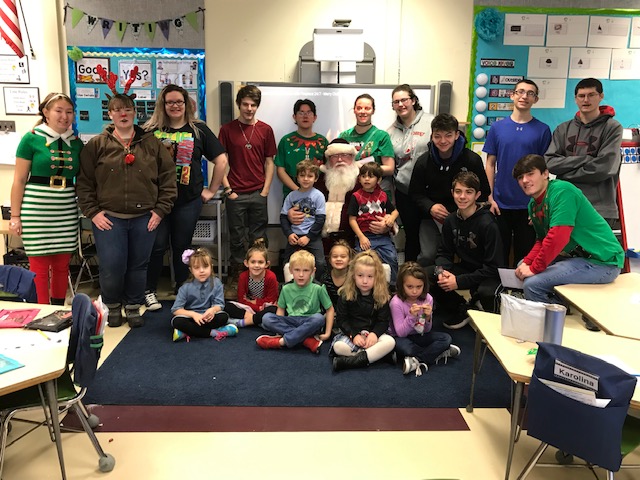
574, 244
299, 317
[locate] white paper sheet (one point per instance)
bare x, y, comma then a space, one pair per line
609, 32
508, 278
589, 62
635, 33
625, 64
552, 92
8, 145
524, 29
581, 395
548, 62
567, 30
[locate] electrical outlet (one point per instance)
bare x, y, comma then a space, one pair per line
7, 126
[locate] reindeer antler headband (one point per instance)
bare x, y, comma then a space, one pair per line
112, 79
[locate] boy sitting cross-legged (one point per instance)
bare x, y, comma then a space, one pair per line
299, 318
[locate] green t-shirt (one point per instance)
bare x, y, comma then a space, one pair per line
565, 205
293, 148
305, 301
374, 143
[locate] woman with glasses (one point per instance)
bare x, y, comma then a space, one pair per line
370, 141
188, 140
410, 135
126, 185
43, 199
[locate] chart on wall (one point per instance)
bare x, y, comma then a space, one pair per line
155, 70
556, 48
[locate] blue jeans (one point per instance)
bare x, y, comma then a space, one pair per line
539, 287
293, 329
247, 217
386, 250
316, 248
124, 253
425, 347
177, 228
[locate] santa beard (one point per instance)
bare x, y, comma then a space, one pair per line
340, 180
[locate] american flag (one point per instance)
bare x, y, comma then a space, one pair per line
10, 26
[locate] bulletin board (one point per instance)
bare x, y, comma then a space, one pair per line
156, 69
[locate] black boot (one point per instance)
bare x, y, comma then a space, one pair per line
57, 301
359, 360
115, 315
134, 319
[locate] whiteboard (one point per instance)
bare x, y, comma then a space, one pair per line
334, 106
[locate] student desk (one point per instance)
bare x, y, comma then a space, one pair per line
513, 357
614, 307
42, 366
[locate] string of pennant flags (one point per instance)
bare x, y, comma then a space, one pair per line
136, 28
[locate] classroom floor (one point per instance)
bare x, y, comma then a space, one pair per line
477, 453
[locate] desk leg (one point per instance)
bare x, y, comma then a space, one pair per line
52, 400
515, 414
476, 368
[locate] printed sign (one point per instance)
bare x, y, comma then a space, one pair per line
492, 120
500, 106
497, 63
86, 69
506, 79
500, 92
143, 78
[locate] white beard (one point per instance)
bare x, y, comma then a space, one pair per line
339, 181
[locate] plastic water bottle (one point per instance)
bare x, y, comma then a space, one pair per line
420, 323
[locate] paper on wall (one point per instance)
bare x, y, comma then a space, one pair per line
548, 62
611, 32
625, 64
567, 30
524, 29
589, 62
551, 92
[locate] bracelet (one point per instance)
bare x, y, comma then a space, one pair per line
15, 216
227, 193
226, 189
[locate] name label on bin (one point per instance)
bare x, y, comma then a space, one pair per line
575, 375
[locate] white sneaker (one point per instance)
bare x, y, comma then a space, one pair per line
452, 352
151, 301
412, 364
456, 326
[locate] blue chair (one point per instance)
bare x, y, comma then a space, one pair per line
82, 360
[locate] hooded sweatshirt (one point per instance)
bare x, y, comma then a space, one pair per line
588, 155
432, 176
476, 242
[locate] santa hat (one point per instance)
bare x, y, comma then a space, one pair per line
339, 145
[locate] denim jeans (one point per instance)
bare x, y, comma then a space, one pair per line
247, 217
539, 287
425, 347
123, 253
177, 228
386, 250
410, 217
293, 329
316, 248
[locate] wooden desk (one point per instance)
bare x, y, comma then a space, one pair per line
614, 307
41, 365
513, 357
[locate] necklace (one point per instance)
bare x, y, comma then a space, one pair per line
129, 157
248, 140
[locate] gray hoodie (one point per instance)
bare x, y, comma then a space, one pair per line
588, 155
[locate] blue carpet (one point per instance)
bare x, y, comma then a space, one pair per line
147, 368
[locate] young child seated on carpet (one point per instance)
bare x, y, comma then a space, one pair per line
333, 278
362, 315
257, 288
198, 308
411, 326
299, 318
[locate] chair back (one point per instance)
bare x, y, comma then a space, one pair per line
18, 283
84, 344
589, 432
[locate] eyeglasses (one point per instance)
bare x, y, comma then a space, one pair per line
341, 155
307, 113
176, 103
590, 96
528, 93
403, 101
125, 110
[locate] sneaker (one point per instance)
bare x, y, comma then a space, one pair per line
312, 344
151, 301
268, 341
412, 364
589, 325
178, 335
225, 331
456, 326
134, 319
452, 352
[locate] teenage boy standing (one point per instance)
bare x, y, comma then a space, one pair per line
251, 145
586, 150
507, 141
430, 186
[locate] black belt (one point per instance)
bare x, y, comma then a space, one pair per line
55, 181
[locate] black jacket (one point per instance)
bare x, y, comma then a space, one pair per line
361, 314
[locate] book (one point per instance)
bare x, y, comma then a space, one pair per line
17, 318
7, 364
54, 322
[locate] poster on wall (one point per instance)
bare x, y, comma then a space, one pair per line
143, 79
183, 73
590, 62
635, 33
14, 69
611, 32
524, 29
548, 62
567, 30
21, 100
625, 64
86, 69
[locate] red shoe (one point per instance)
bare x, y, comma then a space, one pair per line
312, 344
268, 341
